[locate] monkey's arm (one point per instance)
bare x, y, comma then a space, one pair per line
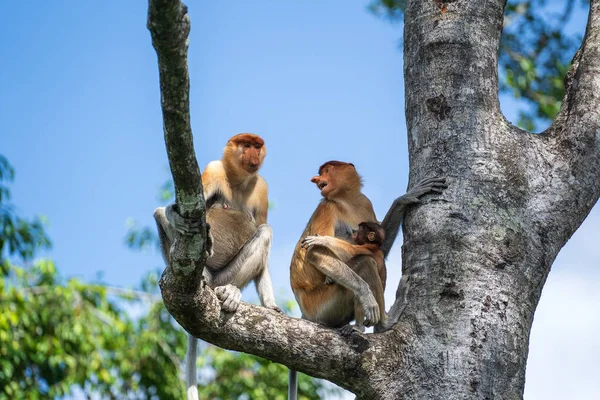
393, 219
323, 221
340, 273
260, 200
213, 178
168, 218
343, 250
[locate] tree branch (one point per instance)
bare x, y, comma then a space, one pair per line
570, 146
169, 26
299, 344
296, 343
579, 117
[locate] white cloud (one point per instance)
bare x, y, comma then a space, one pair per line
564, 347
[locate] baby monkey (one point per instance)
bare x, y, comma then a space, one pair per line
366, 259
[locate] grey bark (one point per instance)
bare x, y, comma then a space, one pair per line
169, 26
474, 259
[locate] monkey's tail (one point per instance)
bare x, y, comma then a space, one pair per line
190, 368
293, 385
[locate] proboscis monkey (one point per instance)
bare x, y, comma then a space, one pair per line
340, 211
236, 204
366, 259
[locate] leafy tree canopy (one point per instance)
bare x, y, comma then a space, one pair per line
60, 335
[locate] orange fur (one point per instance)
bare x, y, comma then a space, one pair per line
342, 202
370, 237
236, 177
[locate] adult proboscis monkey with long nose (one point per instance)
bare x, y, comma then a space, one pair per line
236, 204
340, 211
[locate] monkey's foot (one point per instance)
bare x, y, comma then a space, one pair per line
275, 308
348, 330
229, 296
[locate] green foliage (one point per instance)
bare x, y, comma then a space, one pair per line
391, 9
224, 374
230, 375
17, 235
535, 52
57, 335
535, 55
139, 238
60, 335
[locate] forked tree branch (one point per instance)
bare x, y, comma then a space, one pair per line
570, 146
579, 116
296, 343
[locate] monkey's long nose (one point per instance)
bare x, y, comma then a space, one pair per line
254, 162
315, 179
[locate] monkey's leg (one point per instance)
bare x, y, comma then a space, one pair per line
343, 250
323, 260
264, 287
247, 263
366, 268
250, 263
359, 317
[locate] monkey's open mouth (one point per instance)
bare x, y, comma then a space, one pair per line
321, 185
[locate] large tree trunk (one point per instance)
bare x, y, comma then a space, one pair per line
474, 260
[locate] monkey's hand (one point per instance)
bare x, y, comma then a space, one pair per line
316, 240
426, 186
229, 296
185, 226
369, 305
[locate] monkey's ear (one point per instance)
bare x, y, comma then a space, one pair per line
371, 236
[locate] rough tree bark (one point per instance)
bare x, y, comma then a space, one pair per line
474, 260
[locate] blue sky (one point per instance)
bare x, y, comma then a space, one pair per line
80, 121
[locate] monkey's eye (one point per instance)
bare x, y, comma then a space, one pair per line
247, 145
257, 146
326, 170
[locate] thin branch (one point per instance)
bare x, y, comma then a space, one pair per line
302, 345
566, 193
579, 116
169, 26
